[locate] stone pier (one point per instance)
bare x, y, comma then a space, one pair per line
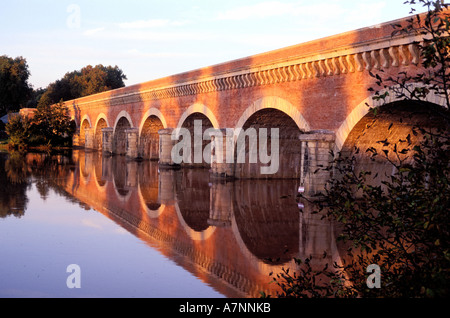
166, 145
132, 136
108, 134
222, 153
89, 138
316, 156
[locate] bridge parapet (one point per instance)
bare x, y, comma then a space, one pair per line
377, 54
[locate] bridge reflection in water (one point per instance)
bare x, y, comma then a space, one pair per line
231, 235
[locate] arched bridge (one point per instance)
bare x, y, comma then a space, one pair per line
316, 94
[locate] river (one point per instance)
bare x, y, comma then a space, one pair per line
134, 230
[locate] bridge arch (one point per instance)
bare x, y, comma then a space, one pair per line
85, 123
126, 115
202, 109
275, 103
362, 109
102, 122
269, 115
391, 128
122, 123
152, 121
152, 112
195, 113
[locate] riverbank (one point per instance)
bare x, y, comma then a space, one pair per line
4, 145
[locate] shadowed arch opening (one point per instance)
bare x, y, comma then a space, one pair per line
120, 137
149, 138
197, 124
284, 146
85, 124
98, 137
391, 127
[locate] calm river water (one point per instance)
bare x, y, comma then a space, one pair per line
134, 230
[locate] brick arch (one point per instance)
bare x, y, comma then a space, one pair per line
202, 109
85, 123
123, 122
392, 123
125, 114
275, 103
268, 113
86, 117
152, 121
102, 122
99, 117
391, 128
187, 121
362, 109
152, 112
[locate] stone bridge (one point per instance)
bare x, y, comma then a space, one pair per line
316, 93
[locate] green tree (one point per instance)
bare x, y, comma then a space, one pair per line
19, 131
35, 97
87, 81
52, 125
14, 87
400, 222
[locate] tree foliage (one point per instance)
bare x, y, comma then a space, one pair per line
400, 222
434, 28
87, 81
19, 131
14, 87
53, 124
50, 126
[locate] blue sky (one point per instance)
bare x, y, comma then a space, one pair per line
156, 38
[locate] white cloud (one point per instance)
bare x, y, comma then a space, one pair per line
147, 24
93, 31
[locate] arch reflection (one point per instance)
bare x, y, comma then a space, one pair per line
267, 218
229, 234
148, 188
